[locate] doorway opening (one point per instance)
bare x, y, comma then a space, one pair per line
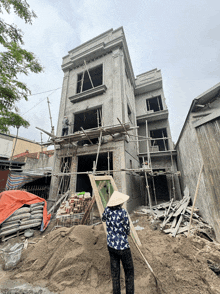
159, 188
85, 163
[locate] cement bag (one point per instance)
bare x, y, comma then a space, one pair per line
14, 226
8, 232
37, 212
37, 224
22, 210
31, 221
19, 216
8, 223
12, 255
37, 204
38, 215
37, 208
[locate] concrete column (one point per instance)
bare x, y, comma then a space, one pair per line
73, 178
63, 102
54, 180
117, 84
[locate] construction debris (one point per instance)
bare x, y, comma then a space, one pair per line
173, 218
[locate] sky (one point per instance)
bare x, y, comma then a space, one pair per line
181, 38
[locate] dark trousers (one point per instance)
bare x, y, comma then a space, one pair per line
127, 262
64, 131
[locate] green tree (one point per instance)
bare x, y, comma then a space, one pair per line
14, 60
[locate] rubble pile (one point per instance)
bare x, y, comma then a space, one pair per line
174, 218
28, 216
72, 210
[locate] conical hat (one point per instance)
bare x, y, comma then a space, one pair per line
117, 198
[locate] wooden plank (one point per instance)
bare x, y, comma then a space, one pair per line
180, 218
86, 135
181, 230
174, 222
180, 209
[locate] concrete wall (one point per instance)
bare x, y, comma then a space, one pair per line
7, 143
44, 161
22, 145
140, 100
6, 146
112, 103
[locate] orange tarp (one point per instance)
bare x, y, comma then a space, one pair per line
11, 200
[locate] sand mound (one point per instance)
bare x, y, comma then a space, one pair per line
69, 258
76, 260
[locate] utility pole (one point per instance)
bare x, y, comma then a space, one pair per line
52, 127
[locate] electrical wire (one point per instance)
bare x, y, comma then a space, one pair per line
39, 102
44, 92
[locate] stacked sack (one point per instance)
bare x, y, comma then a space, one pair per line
22, 219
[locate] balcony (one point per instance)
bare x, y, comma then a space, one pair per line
88, 94
152, 116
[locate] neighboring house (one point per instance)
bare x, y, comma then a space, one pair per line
7, 143
99, 91
16, 170
199, 144
36, 172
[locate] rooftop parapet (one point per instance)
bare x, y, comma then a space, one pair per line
96, 48
148, 81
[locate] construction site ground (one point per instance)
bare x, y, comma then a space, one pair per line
75, 260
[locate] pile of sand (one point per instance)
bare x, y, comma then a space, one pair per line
76, 260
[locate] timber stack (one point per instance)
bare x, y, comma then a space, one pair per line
173, 218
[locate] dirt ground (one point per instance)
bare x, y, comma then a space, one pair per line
75, 260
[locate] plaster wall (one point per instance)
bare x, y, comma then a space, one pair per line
23, 145
111, 101
6, 145
148, 77
93, 43
43, 162
140, 101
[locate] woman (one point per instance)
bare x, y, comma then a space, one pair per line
118, 229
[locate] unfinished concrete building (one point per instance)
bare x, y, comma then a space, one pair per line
199, 146
119, 125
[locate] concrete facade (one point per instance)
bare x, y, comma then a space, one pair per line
117, 95
198, 145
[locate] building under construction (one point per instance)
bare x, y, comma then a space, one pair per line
118, 125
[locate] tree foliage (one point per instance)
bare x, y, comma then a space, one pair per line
14, 60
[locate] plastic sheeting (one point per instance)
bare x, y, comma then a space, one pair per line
11, 200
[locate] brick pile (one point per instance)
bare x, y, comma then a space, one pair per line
72, 210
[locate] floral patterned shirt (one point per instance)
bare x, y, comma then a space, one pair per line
118, 227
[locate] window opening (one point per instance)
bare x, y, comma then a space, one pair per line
90, 79
88, 120
85, 163
129, 114
156, 141
154, 104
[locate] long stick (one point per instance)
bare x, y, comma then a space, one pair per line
150, 268
194, 202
